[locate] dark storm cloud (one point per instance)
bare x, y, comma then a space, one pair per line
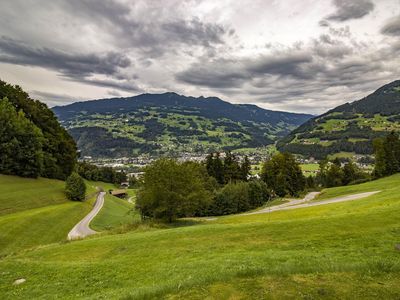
392, 27
317, 72
16, 52
153, 31
75, 67
348, 10
223, 73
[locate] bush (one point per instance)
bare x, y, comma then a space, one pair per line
283, 175
75, 187
239, 197
171, 190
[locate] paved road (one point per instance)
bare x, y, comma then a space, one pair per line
305, 202
82, 229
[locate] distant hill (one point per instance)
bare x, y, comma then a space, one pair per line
350, 127
170, 123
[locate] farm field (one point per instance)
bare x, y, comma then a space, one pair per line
342, 250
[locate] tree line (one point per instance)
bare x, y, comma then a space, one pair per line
218, 186
32, 142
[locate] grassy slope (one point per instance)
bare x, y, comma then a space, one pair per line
343, 250
18, 194
114, 213
35, 212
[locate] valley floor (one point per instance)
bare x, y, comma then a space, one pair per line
341, 250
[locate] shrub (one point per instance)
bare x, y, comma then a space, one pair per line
75, 187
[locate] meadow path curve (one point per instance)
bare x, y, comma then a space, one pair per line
82, 229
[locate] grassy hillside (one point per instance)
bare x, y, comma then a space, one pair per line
349, 128
342, 250
115, 212
19, 194
35, 212
170, 123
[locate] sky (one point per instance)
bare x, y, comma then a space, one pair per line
294, 55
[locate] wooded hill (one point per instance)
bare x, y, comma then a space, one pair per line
170, 123
32, 142
350, 127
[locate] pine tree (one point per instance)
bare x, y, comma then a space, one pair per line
245, 168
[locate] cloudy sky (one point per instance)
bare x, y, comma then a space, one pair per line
294, 55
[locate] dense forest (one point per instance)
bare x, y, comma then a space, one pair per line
32, 142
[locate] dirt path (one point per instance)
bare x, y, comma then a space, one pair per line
305, 202
82, 229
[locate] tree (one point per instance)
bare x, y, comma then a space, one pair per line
58, 149
334, 175
231, 168
132, 181
215, 167
283, 175
21, 143
75, 187
245, 168
387, 155
392, 148
171, 190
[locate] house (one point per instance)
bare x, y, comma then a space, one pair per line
119, 193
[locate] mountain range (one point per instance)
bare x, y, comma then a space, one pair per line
350, 127
170, 124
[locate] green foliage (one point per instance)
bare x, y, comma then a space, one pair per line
171, 189
387, 155
75, 187
333, 174
228, 169
44, 138
283, 175
21, 143
104, 174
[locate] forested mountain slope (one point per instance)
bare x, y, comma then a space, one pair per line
350, 127
171, 123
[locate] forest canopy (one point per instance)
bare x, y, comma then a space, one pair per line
32, 141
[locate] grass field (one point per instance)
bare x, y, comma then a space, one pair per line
19, 194
343, 250
35, 212
115, 212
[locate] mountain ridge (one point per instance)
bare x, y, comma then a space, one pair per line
349, 127
150, 122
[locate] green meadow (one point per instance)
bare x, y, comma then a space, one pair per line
344, 250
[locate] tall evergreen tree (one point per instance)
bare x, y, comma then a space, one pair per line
245, 168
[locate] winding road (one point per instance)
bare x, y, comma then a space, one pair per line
82, 229
310, 196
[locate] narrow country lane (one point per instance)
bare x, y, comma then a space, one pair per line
82, 229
